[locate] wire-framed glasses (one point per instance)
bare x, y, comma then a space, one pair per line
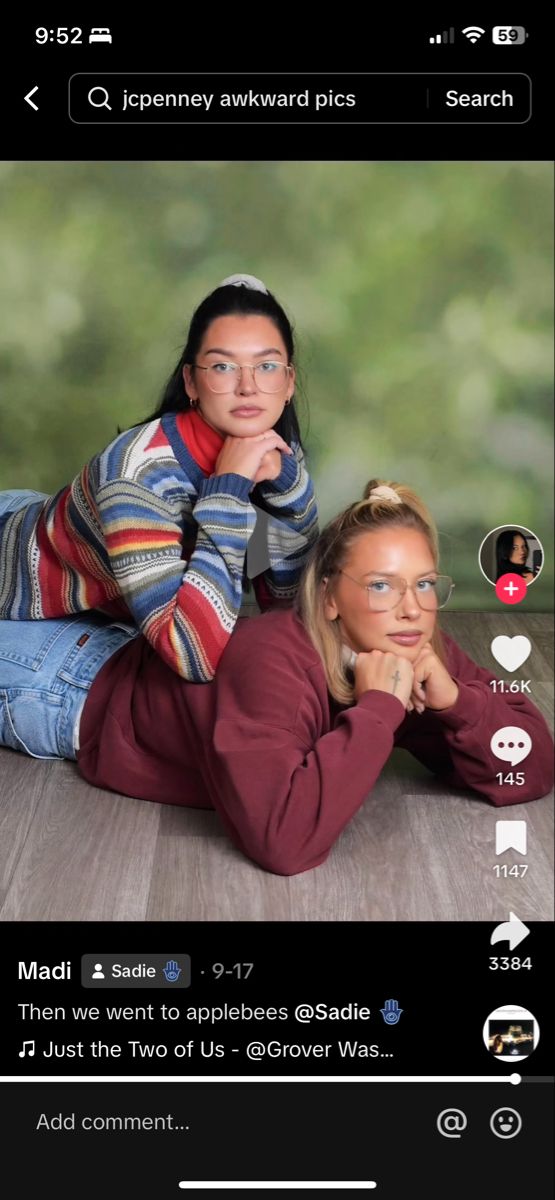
268, 376
431, 592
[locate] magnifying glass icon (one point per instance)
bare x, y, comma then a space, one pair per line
99, 103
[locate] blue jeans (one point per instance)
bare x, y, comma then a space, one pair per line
12, 500
47, 668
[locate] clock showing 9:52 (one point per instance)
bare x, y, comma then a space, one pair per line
61, 36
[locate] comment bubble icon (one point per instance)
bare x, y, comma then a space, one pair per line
511, 744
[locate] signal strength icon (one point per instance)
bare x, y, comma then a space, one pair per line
448, 35
473, 33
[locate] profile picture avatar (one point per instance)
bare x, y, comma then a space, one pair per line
511, 550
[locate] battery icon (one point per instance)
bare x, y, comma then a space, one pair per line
509, 35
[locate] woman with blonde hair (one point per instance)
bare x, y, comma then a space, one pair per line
307, 704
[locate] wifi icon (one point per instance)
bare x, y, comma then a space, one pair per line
473, 33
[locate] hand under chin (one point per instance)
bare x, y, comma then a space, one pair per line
270, 467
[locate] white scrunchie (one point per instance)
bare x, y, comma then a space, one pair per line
248, 281
383, 492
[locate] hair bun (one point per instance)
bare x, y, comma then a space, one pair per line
384, 492
248, 281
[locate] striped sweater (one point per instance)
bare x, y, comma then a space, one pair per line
115, 540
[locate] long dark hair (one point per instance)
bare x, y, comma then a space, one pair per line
504, 549
226, 301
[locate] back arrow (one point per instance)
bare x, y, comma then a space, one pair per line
28, 98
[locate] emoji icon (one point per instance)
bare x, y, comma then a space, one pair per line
505, 1123
172, 970
391, 1012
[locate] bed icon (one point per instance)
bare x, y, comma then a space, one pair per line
100, 35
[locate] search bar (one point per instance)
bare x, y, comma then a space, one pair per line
301, 98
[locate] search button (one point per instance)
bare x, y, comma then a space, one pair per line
99, 103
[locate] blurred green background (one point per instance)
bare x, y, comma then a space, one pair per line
421, 293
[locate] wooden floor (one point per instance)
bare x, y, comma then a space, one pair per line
414, 852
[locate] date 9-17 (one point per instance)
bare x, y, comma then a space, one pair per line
238, 970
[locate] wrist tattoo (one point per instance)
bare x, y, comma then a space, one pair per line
396, 679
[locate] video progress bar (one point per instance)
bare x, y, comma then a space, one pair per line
514, 1079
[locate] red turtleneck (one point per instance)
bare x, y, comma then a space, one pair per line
203, 442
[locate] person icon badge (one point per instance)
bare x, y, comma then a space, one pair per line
98, 972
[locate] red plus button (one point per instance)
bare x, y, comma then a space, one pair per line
510, 589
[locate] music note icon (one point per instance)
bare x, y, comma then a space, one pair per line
24, 1051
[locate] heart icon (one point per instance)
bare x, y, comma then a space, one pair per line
511, 652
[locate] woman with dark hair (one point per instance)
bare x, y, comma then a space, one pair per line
179, 486
307, 704
511, 551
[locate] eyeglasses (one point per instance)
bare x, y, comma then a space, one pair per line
385, 593
223, 377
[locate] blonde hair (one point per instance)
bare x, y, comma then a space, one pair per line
384, 505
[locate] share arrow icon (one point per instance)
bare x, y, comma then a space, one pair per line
512, 931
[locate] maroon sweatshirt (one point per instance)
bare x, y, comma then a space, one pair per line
284, 765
